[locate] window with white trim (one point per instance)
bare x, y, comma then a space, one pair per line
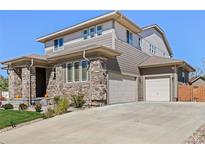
69, 68
58, 44
99, 30
92, 32
85, 34
77, 71
152, 49
129, 37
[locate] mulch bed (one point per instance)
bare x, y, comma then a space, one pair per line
198, 136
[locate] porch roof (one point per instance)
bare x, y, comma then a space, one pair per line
49, 59
105, 51
155, 61
36, 57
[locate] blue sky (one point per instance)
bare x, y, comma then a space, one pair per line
185, 30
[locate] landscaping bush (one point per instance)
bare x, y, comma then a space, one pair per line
49, 113
7, 106
56, 99
23, 106
62, 105
38, 107
78, 101
0, 104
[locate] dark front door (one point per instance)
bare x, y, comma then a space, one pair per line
40, 82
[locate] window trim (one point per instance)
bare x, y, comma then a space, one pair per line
129, 39
73, 72
87, 33
96, 31
58, 48
93, 27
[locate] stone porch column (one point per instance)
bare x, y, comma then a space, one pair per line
98, 80
15, 84
27, 79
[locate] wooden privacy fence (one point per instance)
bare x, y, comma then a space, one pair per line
191, 93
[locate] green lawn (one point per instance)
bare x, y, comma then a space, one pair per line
7, 117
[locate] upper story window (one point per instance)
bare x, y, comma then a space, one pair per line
152, 49
92, 32
129, 37
140, 42
77, 71
99, 30
85, 34
58, 44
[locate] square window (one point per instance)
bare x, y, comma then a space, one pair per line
58, 44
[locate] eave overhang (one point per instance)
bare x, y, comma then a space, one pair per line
114, 15
182, 64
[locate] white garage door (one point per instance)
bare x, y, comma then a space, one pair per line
122, 89
158, 89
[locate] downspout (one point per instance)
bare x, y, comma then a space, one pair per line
30, 81
90, 90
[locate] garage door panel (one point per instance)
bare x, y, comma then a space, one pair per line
122, 88
158, 89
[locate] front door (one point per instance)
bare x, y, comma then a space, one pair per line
40, 82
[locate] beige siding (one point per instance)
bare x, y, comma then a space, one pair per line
74, 39
129, 60
151, 36
104, 40
121, 35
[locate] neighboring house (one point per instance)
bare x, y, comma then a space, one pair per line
109, 59
197, 81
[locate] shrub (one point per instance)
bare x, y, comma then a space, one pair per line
78, 101
23, 106
38, 107
62, 105
7, 106
49, 113
0, 104
56, 99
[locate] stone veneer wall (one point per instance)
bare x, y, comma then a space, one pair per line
15, 84
26, 82
94, 90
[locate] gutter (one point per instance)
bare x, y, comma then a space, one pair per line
30, 81
90, 89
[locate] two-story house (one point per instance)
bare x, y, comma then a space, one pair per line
109, 59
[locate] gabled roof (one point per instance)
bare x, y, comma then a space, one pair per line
114, 15
194, 79
156, 27
155, 61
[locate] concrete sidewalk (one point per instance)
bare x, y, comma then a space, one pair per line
122, 123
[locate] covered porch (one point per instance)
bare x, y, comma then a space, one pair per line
27, 77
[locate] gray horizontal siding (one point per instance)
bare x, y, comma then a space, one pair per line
129, 60
104, 40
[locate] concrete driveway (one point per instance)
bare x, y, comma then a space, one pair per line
123, 123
